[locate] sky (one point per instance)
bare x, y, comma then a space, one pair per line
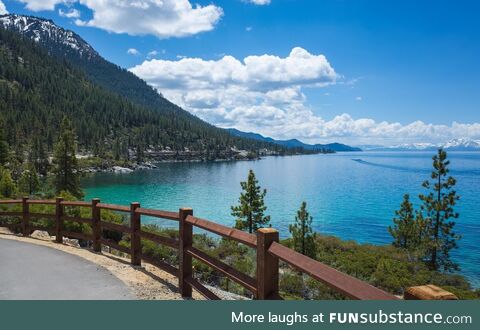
357, 72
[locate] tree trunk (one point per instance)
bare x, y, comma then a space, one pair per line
437, 226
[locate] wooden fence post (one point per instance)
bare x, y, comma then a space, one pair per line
135, 240
26, 217
96, 228
267, 265
58, 220
185, 260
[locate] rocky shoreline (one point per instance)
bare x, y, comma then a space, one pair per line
149, 165
92, 164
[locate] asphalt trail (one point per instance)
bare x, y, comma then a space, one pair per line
32, 272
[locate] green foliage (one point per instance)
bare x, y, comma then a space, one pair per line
8, 188
438, 209
250, 212
65, 163
38, 155
408, 229
291, 285
302, 233
392, 275
29, 182
4, 149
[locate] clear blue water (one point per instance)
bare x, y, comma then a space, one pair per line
350, 195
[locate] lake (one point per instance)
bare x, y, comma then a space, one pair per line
350, 195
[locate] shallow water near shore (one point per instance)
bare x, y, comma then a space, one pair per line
350, 195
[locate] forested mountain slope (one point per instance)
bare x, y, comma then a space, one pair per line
66, 44
37, 90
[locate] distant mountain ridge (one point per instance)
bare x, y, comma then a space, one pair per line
294, 143
462, 144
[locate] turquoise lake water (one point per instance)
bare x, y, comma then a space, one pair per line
350, 195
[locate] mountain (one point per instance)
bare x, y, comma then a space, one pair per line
47, 72
462, 144
294, 143
54, 38
67, 45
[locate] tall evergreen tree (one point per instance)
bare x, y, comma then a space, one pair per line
302, 233
438, 208
117, 149
250, 212
140, 152
38, 155
4, 149
65, 161
29, 182
407, 227
7, 185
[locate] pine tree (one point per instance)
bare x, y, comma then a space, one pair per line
407, 227
140, 154
4, 149
438, 208
29, 182
302, 233
117, 149
38, 155
250, 212
65, 161
7, 185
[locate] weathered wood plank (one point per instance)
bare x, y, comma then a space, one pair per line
113, 207
76, 203
231, 233
158, 214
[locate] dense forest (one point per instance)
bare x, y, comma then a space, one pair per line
37, 90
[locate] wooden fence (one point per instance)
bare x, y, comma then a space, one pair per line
266, 242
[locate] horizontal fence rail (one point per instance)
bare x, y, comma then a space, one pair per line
231, 233
341, 282
266, 243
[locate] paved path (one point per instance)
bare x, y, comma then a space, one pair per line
29, 271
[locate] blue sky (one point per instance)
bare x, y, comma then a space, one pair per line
403, 71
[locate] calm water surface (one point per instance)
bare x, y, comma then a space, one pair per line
350, 195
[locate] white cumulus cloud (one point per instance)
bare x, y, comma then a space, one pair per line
3, 10
73, 13
265, 94
39, 5
133, 51
161, 18
259, 2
